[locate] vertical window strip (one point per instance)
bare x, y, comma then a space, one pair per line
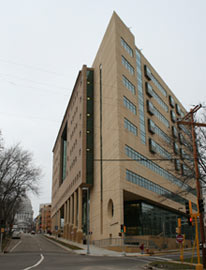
140, 98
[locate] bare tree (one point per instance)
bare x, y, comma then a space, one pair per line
18, 175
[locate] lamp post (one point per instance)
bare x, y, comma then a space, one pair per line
88, 228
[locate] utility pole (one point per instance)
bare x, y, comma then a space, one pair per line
188, 119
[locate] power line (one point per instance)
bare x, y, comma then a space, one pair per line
32, 67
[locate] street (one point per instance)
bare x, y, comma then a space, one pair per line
37, 252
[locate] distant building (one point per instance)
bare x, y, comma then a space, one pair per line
43, 220
120, 142
24, 218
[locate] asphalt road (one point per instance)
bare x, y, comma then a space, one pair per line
38, 253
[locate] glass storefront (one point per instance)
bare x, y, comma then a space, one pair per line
142, 218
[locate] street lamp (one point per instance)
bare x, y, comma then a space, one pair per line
87, 231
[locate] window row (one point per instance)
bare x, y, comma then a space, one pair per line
128, 84
151, 77
149, 185
156, 148
150, 92
126, 47
129, 105
128, 66
176, 106
153, 128
151, 109
131, 153
128, 125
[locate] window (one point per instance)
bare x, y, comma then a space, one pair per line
127, 65
151, 126
128, 84
177, 164
178, 110
145, 183
131, 153
174, 132
159, 100
173, 116
140, 98
150, 107
181, 139
63, 154
156, 148
127, 47
171, 101
149, 89
147, 72
152, 146
175, 148
153, 111
128, 125
129, 105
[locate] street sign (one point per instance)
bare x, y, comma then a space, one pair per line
180, 238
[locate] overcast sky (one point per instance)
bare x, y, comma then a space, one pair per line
44, 43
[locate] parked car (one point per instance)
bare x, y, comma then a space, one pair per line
16, 235
32, 232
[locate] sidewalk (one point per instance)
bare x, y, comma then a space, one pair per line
93, 250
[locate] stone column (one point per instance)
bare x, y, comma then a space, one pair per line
79, 229
65, 219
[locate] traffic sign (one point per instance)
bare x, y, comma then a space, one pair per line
180, 238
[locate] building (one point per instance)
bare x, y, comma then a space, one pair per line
24, 217
119, 141
43, 220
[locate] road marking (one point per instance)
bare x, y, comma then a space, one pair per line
35, 265
15, 246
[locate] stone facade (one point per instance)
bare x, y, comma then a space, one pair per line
132, 160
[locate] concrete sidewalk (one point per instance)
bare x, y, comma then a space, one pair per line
94, 250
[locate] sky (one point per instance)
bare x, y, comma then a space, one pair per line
44, 44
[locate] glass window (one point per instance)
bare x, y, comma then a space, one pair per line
178, 110
140, 98
171, 101
128, 84
129, 105
174, 132
176, 148
147, 72
150, 107
131, 153
126, 47
128, 125
151, 126
149, 89
127, 65
173, 116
